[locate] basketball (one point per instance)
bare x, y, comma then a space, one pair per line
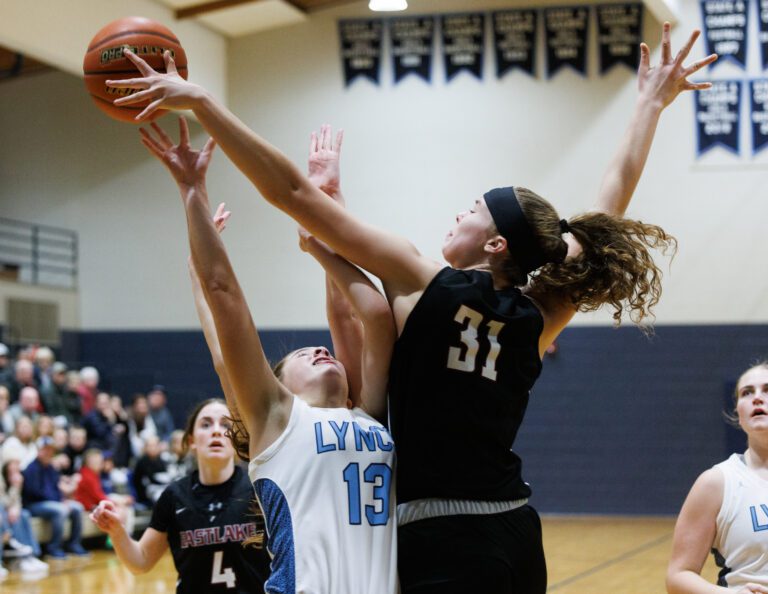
104, 60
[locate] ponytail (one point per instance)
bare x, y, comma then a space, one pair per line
615, 267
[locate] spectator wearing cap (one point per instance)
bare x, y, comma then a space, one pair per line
88, 389
27, 406
21, 445
23, 377
45, 496
160, 414
6, 371
60, 401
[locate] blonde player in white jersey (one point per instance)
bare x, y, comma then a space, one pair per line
727, 509
322, 471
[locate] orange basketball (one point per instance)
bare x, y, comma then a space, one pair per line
104, 61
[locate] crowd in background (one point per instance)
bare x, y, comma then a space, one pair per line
65, 445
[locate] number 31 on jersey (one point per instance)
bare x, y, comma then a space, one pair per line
472, 321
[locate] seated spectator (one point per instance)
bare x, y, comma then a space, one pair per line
122, 452
90, 491
23, 377
101, 424
7, 422
61, 461
114, 479
44, 426
43, 360
28, 404
150, 475
22, 543
21, 445
140, 424
75, 449
160, 414
178, 462
6, 369
45, 494
88, 389
60, 401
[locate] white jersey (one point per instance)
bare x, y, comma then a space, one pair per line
326, 487
741, 542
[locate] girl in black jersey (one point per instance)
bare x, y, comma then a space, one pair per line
204, 517
471, 336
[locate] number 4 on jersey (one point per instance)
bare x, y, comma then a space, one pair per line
222, 577
472, 321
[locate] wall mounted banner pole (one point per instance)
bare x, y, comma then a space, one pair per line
360, 49
759, 114
412, 42
514, 40
619, 33
463, 43
717, 116
566, 31
725, 30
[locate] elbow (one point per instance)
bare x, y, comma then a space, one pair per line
379, 317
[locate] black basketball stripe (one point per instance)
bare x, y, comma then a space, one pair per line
128, 107
135, 70
124, 33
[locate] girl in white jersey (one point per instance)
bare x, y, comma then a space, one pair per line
322, 471
726, 511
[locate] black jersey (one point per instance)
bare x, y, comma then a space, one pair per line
206, 526
459, 381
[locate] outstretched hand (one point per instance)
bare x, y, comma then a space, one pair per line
663, 83
163, 90
187, 166
324, 160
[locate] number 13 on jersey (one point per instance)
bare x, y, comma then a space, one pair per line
472, 321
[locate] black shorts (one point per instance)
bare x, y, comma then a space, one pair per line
473, 554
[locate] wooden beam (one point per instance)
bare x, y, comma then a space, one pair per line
206, 7
297, 5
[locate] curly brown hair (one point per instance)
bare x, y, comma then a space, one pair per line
615, 267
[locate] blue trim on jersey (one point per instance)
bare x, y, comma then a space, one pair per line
279, 525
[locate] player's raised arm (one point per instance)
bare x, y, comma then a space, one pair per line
359, 317
658, 87
391, 258
262, 402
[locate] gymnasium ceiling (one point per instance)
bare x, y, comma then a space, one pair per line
233, 18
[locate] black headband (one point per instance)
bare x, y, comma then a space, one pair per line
513, 226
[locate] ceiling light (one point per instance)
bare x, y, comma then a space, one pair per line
387, 5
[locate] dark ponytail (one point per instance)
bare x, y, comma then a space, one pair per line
615, 267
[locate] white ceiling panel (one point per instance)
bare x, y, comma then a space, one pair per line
243, 19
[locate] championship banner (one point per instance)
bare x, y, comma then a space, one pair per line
514, 40
619, 33
759, 114
717, 116
463, 43
725, 29
566, 30
762, 9
360, 49
412, 46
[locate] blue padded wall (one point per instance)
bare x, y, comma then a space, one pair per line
618, 423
